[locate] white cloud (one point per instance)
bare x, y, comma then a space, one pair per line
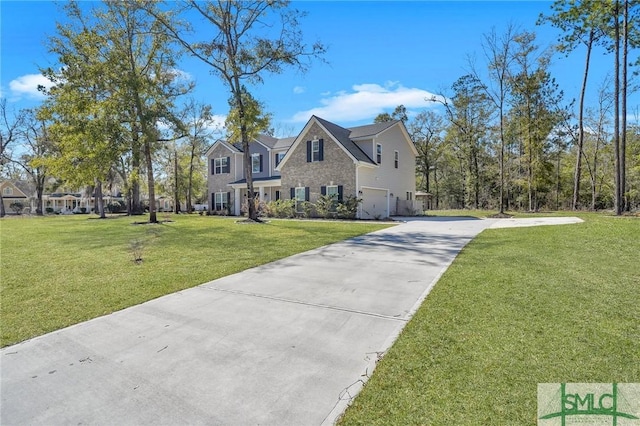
27, 85
298, 90
365, 101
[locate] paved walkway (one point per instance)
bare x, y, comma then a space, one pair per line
284, 343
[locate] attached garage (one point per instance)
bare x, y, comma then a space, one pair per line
375, 203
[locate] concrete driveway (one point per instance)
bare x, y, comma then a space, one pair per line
289, 342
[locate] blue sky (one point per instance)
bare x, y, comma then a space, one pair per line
381, 54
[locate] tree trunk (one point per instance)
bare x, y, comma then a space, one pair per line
616, 127
578, 170
190, 183
176, 198
150, 181
136, 203
2, 212
99, 200
623, 126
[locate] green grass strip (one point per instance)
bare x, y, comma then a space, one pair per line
517, 307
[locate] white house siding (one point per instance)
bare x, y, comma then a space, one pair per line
386, 177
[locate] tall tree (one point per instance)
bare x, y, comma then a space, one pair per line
35, 146
199, 120
469, 113
250, 39
82, 105
146, 61
534, 111
426, 130
498, 51
581, 24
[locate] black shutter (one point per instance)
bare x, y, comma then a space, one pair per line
213, 166
340, 192
212, 206
227, 168
323, 190
277, 195
260, 162
309, 153
293, 193
321, 150
306, 193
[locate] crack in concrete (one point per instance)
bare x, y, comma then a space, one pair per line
299, 302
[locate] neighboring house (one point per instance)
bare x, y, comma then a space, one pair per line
11, 193
375, 163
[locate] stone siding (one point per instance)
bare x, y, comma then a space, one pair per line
337, 167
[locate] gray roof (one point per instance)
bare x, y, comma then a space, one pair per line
343, 136
284, 143
370, 129
267, 140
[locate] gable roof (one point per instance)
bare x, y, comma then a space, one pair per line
343, 136
225, 144
19, 188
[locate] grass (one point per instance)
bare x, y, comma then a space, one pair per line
518, 307
61, 270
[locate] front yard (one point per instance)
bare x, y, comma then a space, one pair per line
61, 270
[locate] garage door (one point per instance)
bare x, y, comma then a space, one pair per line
374, 203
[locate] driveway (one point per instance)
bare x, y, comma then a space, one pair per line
289, 342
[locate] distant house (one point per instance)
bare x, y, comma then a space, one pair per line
12, 193
375, 163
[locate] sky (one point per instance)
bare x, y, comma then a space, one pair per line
380, 54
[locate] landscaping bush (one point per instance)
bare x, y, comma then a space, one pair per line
17, 207
326, 206
281, 209
348, 209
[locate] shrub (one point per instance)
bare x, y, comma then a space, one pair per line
348, 208
326, 206
281, 209
17, 207
49, 210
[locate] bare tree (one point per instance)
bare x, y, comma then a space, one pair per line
8, 136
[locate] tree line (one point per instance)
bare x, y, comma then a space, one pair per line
116, 108
509, 139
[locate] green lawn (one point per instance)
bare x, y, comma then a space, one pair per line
518, 307
60, 270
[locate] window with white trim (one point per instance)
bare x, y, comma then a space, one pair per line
396, 159
256, 163
315, 150
279, 157
301, 197
409, 195
221, 165
7, 191
221, 201
379, 153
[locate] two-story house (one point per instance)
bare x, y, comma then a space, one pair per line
375, 163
